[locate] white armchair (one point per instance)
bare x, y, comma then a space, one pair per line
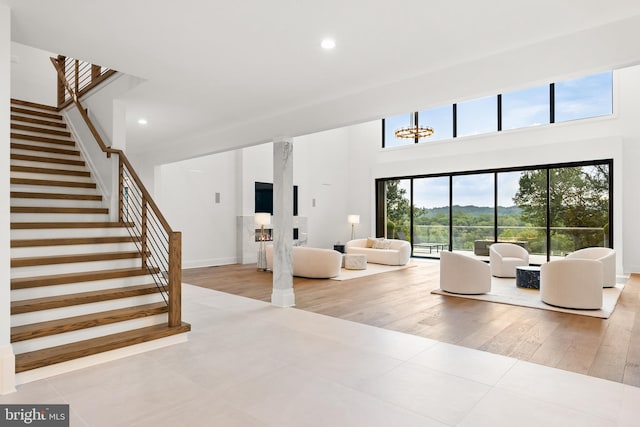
462, 274
572, 283
505, 257
606, 256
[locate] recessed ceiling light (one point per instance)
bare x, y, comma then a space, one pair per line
142, 121
328, 44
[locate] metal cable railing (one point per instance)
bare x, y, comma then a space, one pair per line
145, 227
159, 246
82, 76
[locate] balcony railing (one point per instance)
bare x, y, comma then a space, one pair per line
82, 77
429, 240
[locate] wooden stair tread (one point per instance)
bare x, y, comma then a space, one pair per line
28, 243
27, 111
63, 353
51, 171
58, 301
29, 158
84, 276
36, 138
53, 150
69, 324
17, 118
57, 210
56, 225
34, 195
50, 183
64, 259
34, 104
39, 129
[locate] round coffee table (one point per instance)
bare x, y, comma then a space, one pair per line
528, 276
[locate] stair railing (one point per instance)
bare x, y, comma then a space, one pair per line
160, 247
82, 77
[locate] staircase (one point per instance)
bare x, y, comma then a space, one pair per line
78, 287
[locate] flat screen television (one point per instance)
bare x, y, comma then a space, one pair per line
264, 198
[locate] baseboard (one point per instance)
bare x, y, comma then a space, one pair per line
208, 262
96, 359
7, 370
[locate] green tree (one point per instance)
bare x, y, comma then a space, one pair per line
397, 209
578, 199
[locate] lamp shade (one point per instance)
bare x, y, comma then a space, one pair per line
353, 219
263, 218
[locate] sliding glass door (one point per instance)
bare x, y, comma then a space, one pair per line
579, 208
431, 215
473, 212
522, 212
550, 210
397, 209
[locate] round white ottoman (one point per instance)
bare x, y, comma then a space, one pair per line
355, 262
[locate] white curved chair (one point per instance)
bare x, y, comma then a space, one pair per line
505, 257
606, 256
572, 283
461, 274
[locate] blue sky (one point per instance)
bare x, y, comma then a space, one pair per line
585, 97
467, 190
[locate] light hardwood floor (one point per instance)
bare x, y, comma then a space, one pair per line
401, 301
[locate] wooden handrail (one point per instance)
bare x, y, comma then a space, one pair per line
85, 77
174, 263
109, 150
143, 190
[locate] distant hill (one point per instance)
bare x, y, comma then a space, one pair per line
474, 210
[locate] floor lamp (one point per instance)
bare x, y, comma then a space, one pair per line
262, 219
353, 220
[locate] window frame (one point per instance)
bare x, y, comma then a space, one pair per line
380, 196
552, 110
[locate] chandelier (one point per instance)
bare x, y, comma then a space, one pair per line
413, 131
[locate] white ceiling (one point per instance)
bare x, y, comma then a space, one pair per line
226, 74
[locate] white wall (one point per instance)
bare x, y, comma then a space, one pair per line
616, 137
107, 111
7, 367
185, 193
364, 143
33, 76
321, 170
337, 168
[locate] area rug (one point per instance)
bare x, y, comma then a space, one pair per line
371, 270
504, 291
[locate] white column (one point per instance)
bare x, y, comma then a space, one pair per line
7, 359
282, 294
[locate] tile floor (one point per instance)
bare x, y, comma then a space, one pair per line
248, 363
